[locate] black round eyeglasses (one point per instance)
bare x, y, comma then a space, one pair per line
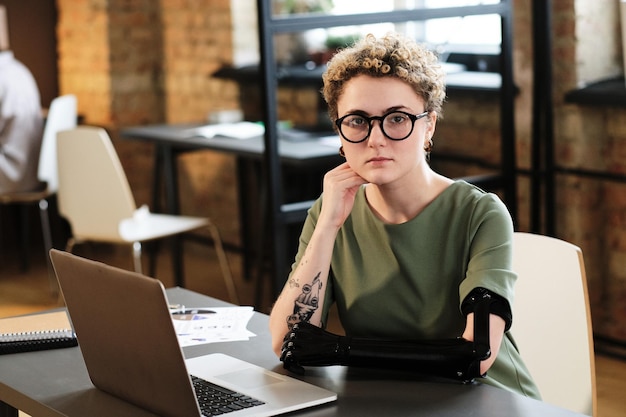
395, 125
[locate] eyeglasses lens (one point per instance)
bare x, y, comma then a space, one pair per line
395, 125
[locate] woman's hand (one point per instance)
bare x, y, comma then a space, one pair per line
340, 187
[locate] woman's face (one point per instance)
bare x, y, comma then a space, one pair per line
378, 159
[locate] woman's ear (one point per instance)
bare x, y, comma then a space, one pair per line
432, 122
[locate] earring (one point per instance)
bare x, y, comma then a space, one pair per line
341, 152
428, 148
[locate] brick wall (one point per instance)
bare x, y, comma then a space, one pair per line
84, 66
591, 209
133, 62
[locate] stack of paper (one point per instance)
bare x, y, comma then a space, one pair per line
238, 130
195, 326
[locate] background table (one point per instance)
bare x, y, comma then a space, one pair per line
55, 383
305, 158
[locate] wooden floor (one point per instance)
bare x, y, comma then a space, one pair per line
26, 292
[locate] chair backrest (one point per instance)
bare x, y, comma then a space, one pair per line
62, 115
94, 195
552, 320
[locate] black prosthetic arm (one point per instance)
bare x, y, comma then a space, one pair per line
309, 345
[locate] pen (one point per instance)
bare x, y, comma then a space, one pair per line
184, 310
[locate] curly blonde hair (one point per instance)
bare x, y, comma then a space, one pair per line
389, 56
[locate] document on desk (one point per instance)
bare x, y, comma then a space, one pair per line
196, 326
332, 140
238, 130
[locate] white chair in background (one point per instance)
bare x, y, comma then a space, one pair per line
95, 197
62, 115
552, 321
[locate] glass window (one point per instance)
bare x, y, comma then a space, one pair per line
469, 36
444, 33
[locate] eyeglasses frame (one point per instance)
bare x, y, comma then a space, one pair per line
413, 117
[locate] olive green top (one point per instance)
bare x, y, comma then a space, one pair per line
407, 281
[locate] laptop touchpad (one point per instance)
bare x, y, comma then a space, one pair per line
249, 378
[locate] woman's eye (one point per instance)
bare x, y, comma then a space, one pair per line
356, 121
397, 118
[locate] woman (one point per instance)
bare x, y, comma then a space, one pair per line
404, 252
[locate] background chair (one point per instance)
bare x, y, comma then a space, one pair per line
62, 115
552, 321
95, 198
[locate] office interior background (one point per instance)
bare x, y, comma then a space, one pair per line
135, 62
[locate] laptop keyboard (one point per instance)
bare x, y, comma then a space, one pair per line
215, 400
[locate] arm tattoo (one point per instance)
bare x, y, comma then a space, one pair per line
307, 302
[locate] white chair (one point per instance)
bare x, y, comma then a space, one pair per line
62, 115
552, 322
96, 199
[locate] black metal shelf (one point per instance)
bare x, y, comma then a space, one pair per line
280, 215
611, 92
302, 22
301, 76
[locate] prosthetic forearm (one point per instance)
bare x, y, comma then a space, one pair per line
309, 345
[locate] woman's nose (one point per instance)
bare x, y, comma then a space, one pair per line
376, 137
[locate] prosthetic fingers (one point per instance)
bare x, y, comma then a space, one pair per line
308, 345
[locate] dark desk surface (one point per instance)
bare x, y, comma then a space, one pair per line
291, 151
55, 383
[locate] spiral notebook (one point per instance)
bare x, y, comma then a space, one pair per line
43, 331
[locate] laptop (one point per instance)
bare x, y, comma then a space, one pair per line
127, 337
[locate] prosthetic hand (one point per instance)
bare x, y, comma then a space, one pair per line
309, 345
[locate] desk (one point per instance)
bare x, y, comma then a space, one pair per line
313, 157
55, 383
170, 139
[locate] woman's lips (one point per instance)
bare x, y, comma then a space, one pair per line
379, 159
